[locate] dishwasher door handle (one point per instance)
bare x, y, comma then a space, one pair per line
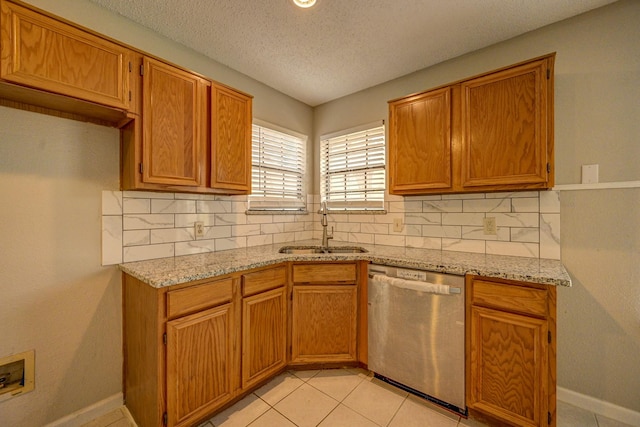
420, 286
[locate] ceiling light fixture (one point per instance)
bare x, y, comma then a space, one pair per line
304, 3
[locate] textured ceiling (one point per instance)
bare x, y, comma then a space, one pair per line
339, 47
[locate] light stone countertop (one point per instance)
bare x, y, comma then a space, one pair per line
173, 271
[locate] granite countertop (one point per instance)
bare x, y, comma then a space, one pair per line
173, 271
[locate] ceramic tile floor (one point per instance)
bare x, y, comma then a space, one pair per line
344, 397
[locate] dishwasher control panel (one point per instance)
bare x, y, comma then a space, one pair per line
411, 274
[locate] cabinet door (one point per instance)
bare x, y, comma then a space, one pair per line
324, 324
230, 140
508, 366
42, 53
264, 338
506, 135
174, 125
200, 364
420, 143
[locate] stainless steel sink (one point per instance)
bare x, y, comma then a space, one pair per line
321, 250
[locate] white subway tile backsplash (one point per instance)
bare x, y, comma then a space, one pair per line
147, 195
487, 205
147, 221
261, 239
550, 235
145, 225
449, 231
477, 233
136, 206
442, 206
136, 238
245, 230
195, 247
173, 206
171, 235
217, 232
463, 218
189, 219
423, 218
213, 206
111, 202
460, 245
389, 240
424, 242
528, 219
527, 235
550, 202
513, 249
525, 204
374, 228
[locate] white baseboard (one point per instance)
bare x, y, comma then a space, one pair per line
601, 407
90, 412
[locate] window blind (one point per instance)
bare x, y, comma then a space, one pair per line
278, 161
352, 170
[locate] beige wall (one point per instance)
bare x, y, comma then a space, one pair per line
597, 89
55, 297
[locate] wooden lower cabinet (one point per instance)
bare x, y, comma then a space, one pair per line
324, 324
264, 325
511, 352
200, 364
181, 350
324, 314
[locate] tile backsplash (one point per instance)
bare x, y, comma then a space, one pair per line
147, 225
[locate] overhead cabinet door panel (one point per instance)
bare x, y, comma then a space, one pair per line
420, 152
504, 127
45, 54
174, 103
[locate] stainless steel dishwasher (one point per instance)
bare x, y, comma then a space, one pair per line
416, 333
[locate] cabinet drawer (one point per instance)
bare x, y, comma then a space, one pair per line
324, 273
200, 297
253, 283
521, 299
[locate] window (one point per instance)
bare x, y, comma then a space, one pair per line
278, 160
352, 168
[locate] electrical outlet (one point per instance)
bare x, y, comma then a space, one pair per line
397, 225
199, 228
489, 226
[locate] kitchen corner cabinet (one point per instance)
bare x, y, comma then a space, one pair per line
324, 313
181, 350
264, 324
43, 53
511, 351
493, 132
230, 140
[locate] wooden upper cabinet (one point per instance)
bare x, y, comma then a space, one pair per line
420, 142
230, 140
174, 125
505, 134
493, 132
43, 53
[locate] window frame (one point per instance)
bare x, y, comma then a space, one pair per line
276, 204
368, 163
